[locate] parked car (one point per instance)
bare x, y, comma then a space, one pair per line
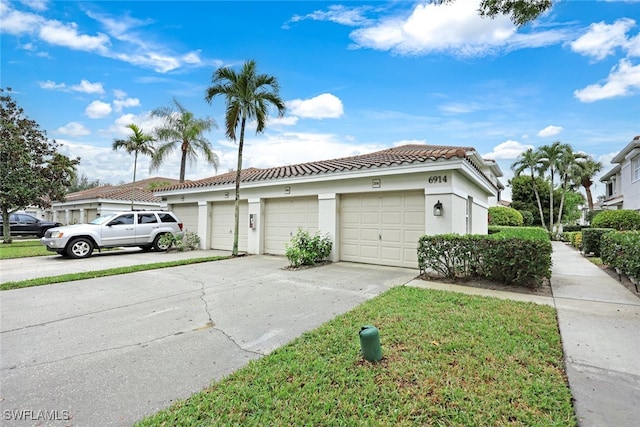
26, 225
143, 229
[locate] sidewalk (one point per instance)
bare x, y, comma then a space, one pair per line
599, 323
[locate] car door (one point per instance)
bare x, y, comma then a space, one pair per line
119, 231
24, 224
146, 225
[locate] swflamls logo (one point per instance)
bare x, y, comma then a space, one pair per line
35, 415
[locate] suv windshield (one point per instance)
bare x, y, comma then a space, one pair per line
102, 219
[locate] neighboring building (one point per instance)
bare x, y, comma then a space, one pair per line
623, 181
84, 206
374, 207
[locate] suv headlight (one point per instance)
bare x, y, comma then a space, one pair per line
57, 234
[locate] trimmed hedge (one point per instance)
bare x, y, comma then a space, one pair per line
573, 237
502, 215
591, 240
511, 255
621, 250
620, 220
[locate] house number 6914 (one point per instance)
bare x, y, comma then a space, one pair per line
437, 179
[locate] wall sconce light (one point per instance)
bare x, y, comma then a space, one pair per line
438, 209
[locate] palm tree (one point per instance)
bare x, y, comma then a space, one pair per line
248, 96
550, 160
585, 176
181, 127
530, 160
569, 165
139, 142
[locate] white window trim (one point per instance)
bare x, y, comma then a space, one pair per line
635, 169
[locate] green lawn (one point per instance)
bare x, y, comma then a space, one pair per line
23, 249
449, 359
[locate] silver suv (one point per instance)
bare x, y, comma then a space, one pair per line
143, 229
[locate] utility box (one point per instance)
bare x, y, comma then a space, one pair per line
370, 343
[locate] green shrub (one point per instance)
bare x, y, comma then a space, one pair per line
527, 218
502, 215
592, 214
621, 220
591, 239
570, 228
621, 250
188, 241
518, 255
304, 249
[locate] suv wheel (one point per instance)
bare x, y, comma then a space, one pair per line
159, 246
80, 248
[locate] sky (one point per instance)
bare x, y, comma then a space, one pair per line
356, 77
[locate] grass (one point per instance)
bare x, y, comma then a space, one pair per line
23, 249
103, 273
448, 359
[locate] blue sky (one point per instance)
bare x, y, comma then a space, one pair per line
357, 76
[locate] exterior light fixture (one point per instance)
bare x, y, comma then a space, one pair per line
438, 209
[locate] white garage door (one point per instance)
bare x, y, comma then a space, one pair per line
188, 214
282, 219
223, 220
382, 228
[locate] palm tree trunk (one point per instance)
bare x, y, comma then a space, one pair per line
535, 191
551, 204
236, 225
587, 189
133, 184
183, 161
564, 189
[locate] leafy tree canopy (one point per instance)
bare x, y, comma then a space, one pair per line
520, 12
33, 172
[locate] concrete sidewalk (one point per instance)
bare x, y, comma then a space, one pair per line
599, 323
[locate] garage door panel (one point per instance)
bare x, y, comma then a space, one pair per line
188, 214
284, 216
223, 222
390, 225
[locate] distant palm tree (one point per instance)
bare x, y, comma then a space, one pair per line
585, 176
248, 96
569, 165
530, 160
181, 127
139, 142
550, 161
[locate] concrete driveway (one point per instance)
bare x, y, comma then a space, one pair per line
109, 351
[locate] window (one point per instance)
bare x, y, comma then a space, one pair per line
123, 220
147, 218
635, 169
166, 217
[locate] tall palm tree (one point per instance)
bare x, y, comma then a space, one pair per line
569, 165
181, 127
138, 143
248, 96
585, 176
550, 161
530, 160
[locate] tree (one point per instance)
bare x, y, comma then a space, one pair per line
530, 160
585, 175
248, 96
569, 165
138, 143
181, 127
521, 12
33, 172
523, 196
550, 160
82, 182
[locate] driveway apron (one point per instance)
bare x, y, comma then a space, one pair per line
112, 350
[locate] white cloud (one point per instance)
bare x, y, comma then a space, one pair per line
98, 109
16, 22
409, 142
283, 121
601, 40
460, 108
50, 84
120, 94
507, 150
58, 33
145, 121
550, 131
623, 80
86, 86
119, 104
320, 107
74, 129
351, 16
39, 5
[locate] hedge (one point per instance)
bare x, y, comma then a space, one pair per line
511, 255
621, 220
621, 250
503, 215
591, 240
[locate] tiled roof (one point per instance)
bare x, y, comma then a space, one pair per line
406, 154
121, 192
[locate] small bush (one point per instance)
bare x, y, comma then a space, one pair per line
189, 241
502, 215
304, 249
620, 220
591, 240
592, 214
570, 228
621, 250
